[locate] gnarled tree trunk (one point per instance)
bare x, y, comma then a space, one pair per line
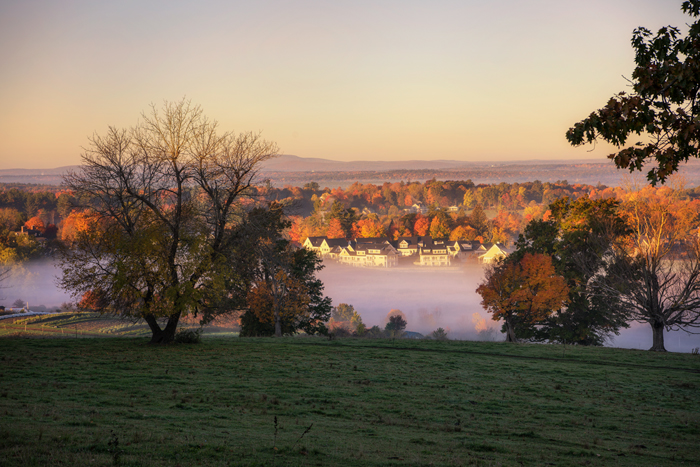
165, 335
657, 329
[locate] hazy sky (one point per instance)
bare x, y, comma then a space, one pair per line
347, 80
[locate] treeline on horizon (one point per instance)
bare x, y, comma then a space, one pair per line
503, 171
458, 210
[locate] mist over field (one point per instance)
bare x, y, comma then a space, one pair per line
446, 297
34, 282
429, 297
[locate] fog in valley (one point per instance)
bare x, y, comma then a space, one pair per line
34, 282
429, 298
446, 297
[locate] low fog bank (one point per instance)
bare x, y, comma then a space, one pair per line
34, 282
638, 336
429, 297
446, 297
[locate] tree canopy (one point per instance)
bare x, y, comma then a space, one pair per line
283, 294
654, 270
663, 107
523, 292
161, 202
576, 237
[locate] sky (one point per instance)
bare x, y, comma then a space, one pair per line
344, 80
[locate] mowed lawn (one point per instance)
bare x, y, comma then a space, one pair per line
311, 401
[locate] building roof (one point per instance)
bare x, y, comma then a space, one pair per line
410, 240
496, 249
372, 240
383, 248
333, 242
316, 241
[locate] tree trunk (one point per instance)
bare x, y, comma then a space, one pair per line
165, 335
278, 326
657, 329
510, 332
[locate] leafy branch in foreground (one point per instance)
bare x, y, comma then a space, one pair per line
663, 109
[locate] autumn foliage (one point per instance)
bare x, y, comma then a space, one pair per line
35, 223
284, 295
368, 228
76, 223
524, 292
335, 229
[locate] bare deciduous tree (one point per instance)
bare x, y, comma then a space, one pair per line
163, 198
655, 271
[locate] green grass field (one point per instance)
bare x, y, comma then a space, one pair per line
310, 401
76, 324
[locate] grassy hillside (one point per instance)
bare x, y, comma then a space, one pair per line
307, 401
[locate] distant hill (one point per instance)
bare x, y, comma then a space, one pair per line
288, 163
297, 171
36, 176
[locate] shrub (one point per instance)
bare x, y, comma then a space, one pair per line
340, 331
188, 336
395, 326
439, 334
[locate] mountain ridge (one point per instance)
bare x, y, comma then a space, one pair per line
296, 171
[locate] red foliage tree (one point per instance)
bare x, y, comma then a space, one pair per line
421, 227
51, 231
93, 300
526, 292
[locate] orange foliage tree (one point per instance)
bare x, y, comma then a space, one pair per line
439, 227
75, 223
463, 233
35, 223
508, 222
522, 293
335, 229
421, 227
368, 228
